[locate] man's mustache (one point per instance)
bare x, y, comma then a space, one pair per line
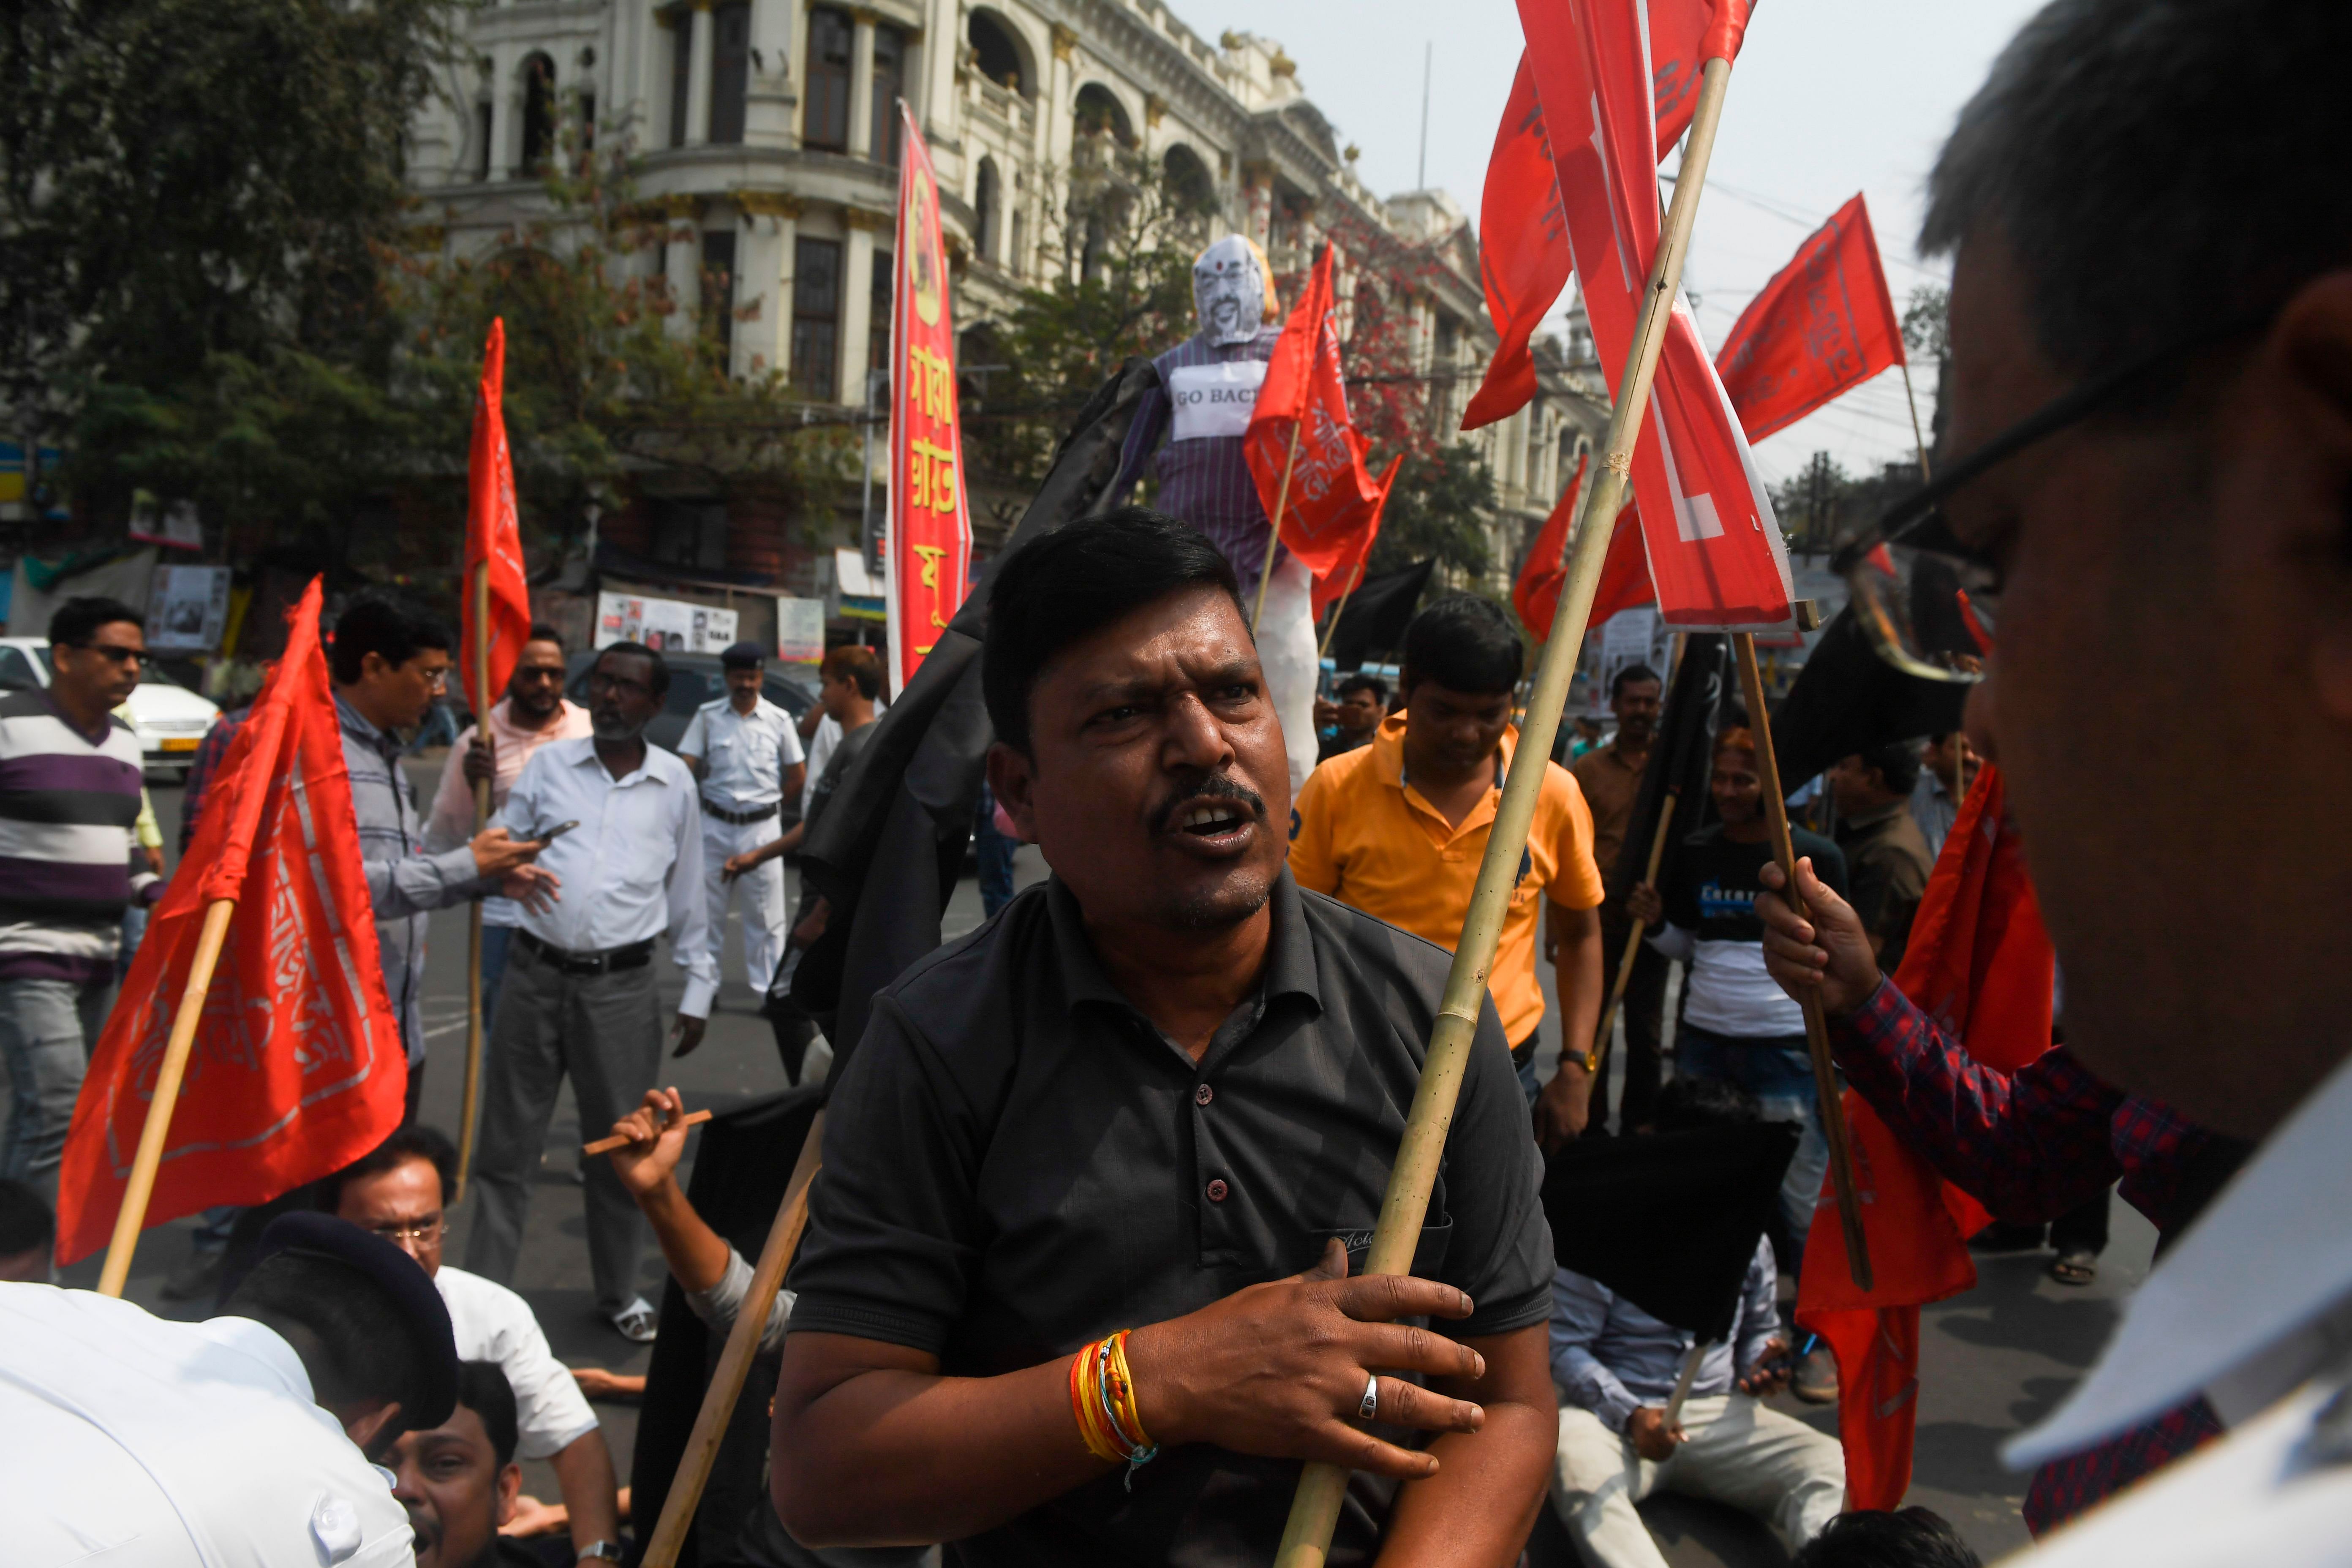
1215, 786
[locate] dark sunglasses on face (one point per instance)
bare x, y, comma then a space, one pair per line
113, 653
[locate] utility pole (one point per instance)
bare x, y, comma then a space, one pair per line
1420, 173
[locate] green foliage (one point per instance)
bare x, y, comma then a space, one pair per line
1927, 325
1822, 505
1440, 507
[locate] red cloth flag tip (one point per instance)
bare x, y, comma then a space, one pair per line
1624, 573
1331, 497
1727, 30
1981, 964
1824, 324
1344, 579
493, 532
927, 553
298, 1066
1715, 549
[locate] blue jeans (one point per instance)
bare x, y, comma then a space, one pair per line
493, 967
46, 1027
1778, 1071
994, 853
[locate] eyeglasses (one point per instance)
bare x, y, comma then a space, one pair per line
600, 684
113, 651
423, 1232
1929, 601
539, 672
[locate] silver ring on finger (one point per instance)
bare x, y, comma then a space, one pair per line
1368, 1407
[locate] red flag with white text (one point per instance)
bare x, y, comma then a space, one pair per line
1330, 497
1341, 580
298, 1066
927, 555
1715, 549
1980, 964
493, 532
1824, 324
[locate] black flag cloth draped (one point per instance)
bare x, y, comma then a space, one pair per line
1372, 621
1847, 699
1681, 759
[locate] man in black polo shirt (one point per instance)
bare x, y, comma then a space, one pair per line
1160, 1092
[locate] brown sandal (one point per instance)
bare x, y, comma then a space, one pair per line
2077, 1266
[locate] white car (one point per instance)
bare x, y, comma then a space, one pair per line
170, 721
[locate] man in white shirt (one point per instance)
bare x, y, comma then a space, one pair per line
142, 1443
747, 753
398, 1192
579, 996
534, 711
2148, 449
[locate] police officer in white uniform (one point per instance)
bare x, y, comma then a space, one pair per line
746, 751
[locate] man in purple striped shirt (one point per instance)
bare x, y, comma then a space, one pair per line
69, 775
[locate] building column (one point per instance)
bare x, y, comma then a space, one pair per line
771, 117
861, 85
698, 75
856, 301
682, 263
763, 268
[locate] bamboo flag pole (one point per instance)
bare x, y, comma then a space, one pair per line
735, 1361
132, 1215
1599, 1054
1338, 610
1689, 1376
1917, 439
471, 1107
1315, 1509
1273, 525
1817, 1034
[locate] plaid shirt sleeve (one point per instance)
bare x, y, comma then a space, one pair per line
2028, 1145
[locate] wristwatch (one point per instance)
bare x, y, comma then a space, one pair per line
608, 1551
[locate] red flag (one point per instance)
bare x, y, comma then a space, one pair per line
1523, 261
1624, 575
1342, 579
926, 558
1824, 324
492, 532
1980, 963
1714, 548
1331, 499
298, 1066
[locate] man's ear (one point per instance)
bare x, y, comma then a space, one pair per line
509, 1484
364, 1427
1010, 778
2315, 338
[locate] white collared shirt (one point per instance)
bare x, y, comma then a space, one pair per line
2252, 1309
631, 869
493, 1323
130, 1441
744, 754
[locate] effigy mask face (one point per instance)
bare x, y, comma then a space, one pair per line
1229, 292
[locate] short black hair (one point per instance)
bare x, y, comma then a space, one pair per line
1627, 677
483, 1388
855, 664
1463, 643
1897, 762
1907, 1538
26, 1221
1351, 684
1688, 1104
541, 632
1068, 585
660, 675
391, 629
350, 1334
75, 622
413, 1142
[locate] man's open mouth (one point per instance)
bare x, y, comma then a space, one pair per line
1208, 821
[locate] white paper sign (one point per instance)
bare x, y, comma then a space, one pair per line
670, 626
800, 630
187, 608
1215, 399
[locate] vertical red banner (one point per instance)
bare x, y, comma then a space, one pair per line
926, 556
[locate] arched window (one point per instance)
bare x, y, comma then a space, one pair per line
731, 64
538, 113
997, 53
984, 198
1190, 190
1097, 110
890, 85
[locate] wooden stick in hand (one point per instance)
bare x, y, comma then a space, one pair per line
621, 1140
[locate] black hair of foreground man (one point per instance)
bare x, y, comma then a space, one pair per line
1905, 1538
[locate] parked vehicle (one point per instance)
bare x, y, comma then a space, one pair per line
170, 719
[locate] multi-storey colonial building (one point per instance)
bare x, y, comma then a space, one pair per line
767, 133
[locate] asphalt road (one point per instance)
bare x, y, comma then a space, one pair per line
1993, 1360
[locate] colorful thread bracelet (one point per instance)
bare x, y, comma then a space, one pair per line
1102, 1397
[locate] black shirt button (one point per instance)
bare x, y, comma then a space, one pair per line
1217, 1190
1202, 1095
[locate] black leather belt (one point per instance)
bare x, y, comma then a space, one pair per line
636, 955
739, 818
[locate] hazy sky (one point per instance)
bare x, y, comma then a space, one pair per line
1830, 96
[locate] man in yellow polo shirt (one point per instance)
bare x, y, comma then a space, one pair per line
1397, 828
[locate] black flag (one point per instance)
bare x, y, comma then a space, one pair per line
1669, 1220
1681, 759
1372, 621
887, 851
1847, 699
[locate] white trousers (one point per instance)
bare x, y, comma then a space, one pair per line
1285, 650
763, 890
1740, 1453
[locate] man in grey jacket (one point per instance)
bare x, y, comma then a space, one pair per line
389, 662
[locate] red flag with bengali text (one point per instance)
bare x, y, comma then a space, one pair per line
298, 1066
1980, 964
926, 557
1341, 580
1824, 324
1715, 552
1331, 499
493, 532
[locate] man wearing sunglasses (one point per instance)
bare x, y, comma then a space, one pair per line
69, 775
2143, 514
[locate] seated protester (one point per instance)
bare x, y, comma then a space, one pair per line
398, 1193
244, 1438
1120, 1139
28, 1235
1905, 1538
1616, 1367
1738, 1024
1397, 829
458, 1480
1886, 857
